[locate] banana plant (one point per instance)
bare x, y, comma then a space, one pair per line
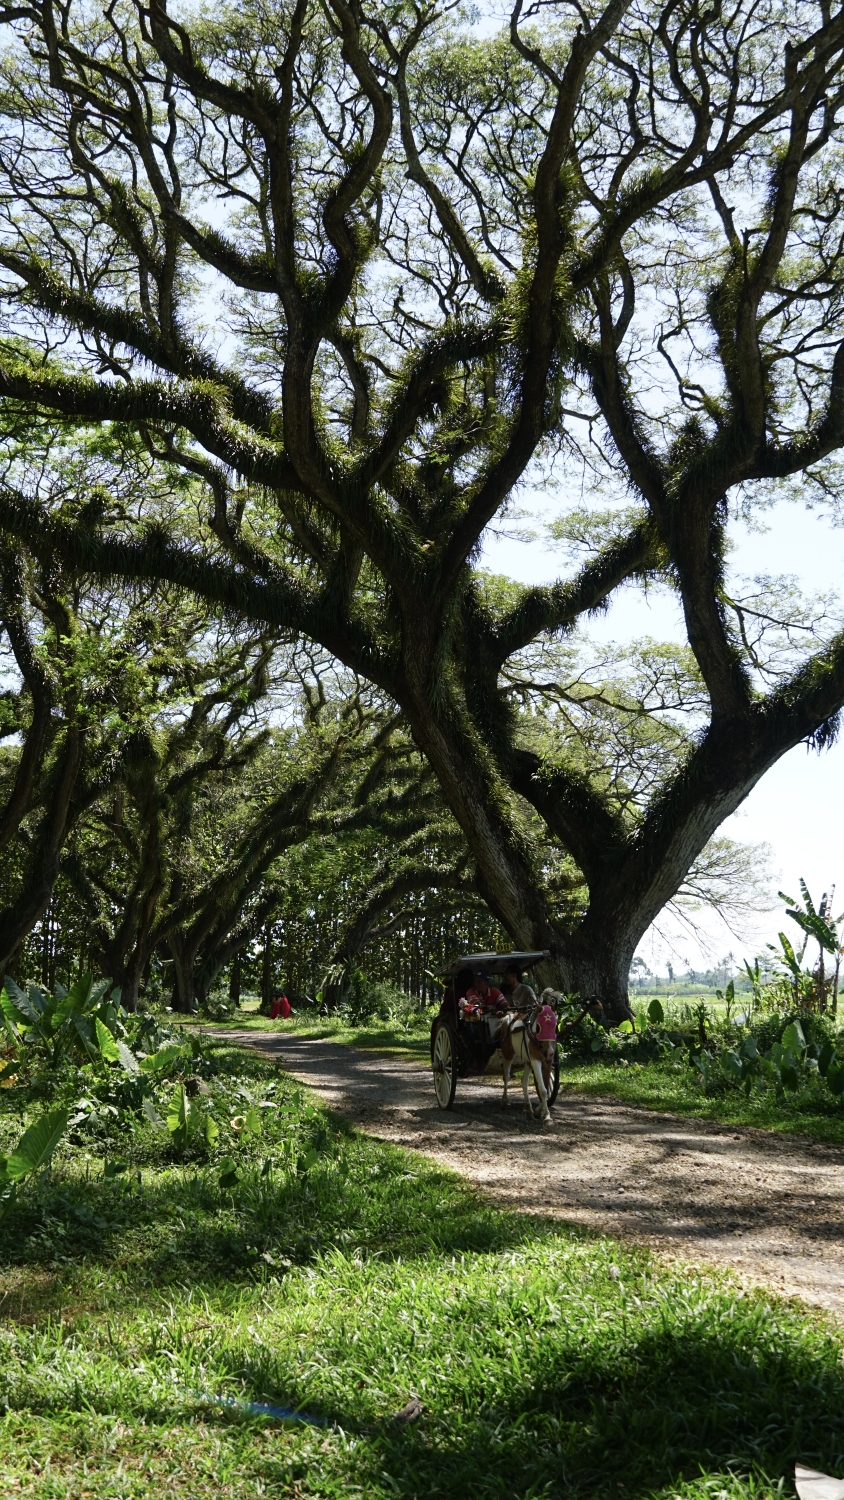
817, 923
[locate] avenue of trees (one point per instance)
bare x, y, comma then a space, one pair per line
189, 805
298, 299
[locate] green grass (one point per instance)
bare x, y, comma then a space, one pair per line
406, 1036
659, 1084
348, 1275
675, 1088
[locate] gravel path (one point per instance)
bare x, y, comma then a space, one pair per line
772, 1207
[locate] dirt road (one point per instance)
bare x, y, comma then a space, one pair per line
772, 1207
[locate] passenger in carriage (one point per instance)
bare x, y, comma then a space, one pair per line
456, 993
463, 981
484, 996
520, 996
482, 1008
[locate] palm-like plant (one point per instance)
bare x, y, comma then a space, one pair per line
816, 922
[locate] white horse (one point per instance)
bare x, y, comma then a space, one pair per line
529, 1045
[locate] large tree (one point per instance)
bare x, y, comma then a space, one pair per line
360, 272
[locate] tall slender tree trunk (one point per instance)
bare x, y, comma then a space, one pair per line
267, 969
235, 974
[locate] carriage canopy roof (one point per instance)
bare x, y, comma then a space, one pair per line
495, 963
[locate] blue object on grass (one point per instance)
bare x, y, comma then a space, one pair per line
261, 1409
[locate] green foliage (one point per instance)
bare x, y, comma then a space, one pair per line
811, 989
33, 1151
777, 1068
113, 1069
814, 923
180, 1117
61, 1027
457, 304
345, 1277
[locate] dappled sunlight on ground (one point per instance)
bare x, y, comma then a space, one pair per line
769, 1206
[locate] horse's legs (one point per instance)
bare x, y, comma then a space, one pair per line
544, 1111
525, 1071
507, 1067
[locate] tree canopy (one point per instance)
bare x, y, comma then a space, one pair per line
342, 281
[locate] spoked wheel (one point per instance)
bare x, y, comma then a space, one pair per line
444, 1063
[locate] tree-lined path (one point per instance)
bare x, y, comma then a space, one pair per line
770, 1207
300, 302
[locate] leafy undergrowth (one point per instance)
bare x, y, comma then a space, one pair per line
775, 1070
337, 1274
673, 1087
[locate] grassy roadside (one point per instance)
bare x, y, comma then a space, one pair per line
397, 1038
659, 1083
674, 1088
341, 1278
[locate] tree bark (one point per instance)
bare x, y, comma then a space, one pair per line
184, 988
42, 865
267, 969
234, 979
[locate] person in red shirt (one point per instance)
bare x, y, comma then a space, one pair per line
482, 999
280, 1008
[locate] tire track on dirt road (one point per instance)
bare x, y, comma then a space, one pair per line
768, 1206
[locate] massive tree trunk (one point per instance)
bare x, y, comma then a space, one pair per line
128, 977
184, 987
125, 955
595, 967
41, 864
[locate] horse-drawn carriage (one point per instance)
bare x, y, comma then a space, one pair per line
462, 1048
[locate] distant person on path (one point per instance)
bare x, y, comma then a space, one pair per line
280, 1008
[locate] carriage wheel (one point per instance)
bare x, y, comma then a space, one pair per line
444, 1063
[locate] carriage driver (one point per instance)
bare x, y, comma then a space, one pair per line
520, 996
